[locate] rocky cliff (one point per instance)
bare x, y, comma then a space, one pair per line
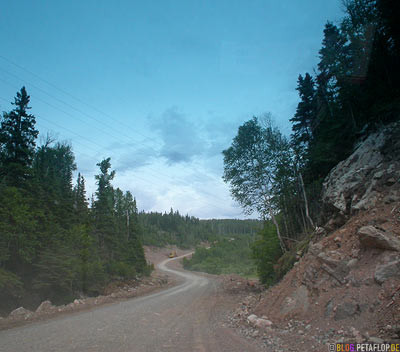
346, 285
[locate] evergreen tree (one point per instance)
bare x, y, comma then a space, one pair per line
80, 200
53, 166
305, 117
17, 141
104, 209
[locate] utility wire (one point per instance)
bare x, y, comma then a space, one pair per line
71, 107
108, 134
147, 181
73, 97
100, 122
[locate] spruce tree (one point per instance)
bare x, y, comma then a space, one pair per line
17, 141
305, 117
104, 209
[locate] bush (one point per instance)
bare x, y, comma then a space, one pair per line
266, 252
226, 256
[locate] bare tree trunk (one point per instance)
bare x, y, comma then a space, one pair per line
304, 220
282, 244
284, 217
305, 201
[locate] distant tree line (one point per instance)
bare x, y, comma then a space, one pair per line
354, 91
160, 229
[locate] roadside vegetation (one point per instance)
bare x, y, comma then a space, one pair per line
229, 255
53, 245
354, 90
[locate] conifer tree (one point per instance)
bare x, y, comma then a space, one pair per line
104, 209
305, 116
17, 141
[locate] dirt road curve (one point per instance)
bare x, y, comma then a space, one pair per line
181, 319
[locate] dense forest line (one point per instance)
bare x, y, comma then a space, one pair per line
354, 91
160, 229
52, 244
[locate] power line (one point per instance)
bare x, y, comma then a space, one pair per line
158, 173
73, 97
70, 106
147, 181
73, 116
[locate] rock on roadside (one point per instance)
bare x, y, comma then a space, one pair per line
20, 312
260, 323
45, 307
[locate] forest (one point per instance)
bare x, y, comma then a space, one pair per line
188, 231
52, 243
354, 91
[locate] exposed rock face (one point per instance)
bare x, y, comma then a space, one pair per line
372, 237
354, 183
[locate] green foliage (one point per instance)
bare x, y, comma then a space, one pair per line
57, 272
10, 283
284, 264
17, 141
18, 228
51, 243
187, 231
266, 252
172, 228
225, 256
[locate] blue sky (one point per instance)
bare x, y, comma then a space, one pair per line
161, 87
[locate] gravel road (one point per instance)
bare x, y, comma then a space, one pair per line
183, 318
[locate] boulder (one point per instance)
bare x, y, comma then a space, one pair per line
386, 271
252, 319
45, 306
260, 323
20, 312
263, 323
370, 236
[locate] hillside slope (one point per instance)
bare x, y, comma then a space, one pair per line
346, 285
